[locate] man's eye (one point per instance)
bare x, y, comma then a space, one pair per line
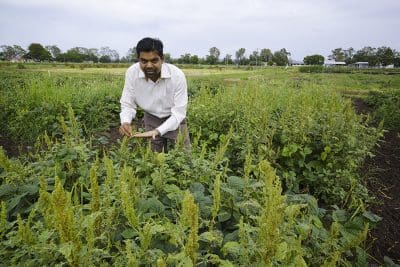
153, 61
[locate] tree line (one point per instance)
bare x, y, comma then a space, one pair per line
36, 52
381, 56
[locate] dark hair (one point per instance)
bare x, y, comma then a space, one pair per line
148, 45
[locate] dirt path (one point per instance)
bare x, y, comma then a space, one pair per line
383, 175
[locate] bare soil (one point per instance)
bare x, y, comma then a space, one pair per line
382, 174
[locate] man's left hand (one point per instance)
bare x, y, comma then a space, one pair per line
151, 134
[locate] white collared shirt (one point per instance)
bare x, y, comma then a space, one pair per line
165, 97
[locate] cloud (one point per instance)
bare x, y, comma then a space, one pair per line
301, 26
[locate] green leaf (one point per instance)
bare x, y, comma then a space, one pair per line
228, 190
173, 192
389, 262
197, 187
307, 150
372, 217
151, 206
235, 182
317, 222
289, 150
215, 238
7, 189
45, 236
339, 215
12, 203
324, 154
223, 216
281, 251
157, 228
31, 189
232, 248
66, 249
250, 206
129, 233
304, 229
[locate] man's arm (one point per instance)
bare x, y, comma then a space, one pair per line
128, 105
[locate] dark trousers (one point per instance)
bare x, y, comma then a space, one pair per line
160, 143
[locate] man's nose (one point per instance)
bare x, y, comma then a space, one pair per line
148, 64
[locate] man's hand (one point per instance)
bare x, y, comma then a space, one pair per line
126, 129
151, 134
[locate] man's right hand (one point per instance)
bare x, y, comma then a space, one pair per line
126, 129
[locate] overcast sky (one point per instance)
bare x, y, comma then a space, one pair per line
303, 27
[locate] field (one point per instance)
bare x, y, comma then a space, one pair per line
281, 171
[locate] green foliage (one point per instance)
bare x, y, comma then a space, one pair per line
386, 105
32, 104
263, 151
314, 60
37, 52
317, 149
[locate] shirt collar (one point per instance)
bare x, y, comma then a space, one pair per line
165, 72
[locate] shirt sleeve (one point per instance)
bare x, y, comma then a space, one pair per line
128, 105
179, 107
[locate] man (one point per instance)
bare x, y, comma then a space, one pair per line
160, 89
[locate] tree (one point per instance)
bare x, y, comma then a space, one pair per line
112, 54
132, 55
265, 55
167, 57
254, 58
281, 57
19, 51
348, 55
366, 54
228, 59
194, 59
105, 59
396, 62
314, 60
284, 51
385, 55
184, 59
53, 50
92, 55
7, 52
239, 55
72, 55
37, 52
78, 54
213, 57
11, 52
337, 55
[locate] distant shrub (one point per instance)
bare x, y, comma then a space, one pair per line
21, 66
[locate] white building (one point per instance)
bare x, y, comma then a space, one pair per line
293, 62
332, 63
361, 65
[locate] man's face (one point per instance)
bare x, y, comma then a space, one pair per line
150, 63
